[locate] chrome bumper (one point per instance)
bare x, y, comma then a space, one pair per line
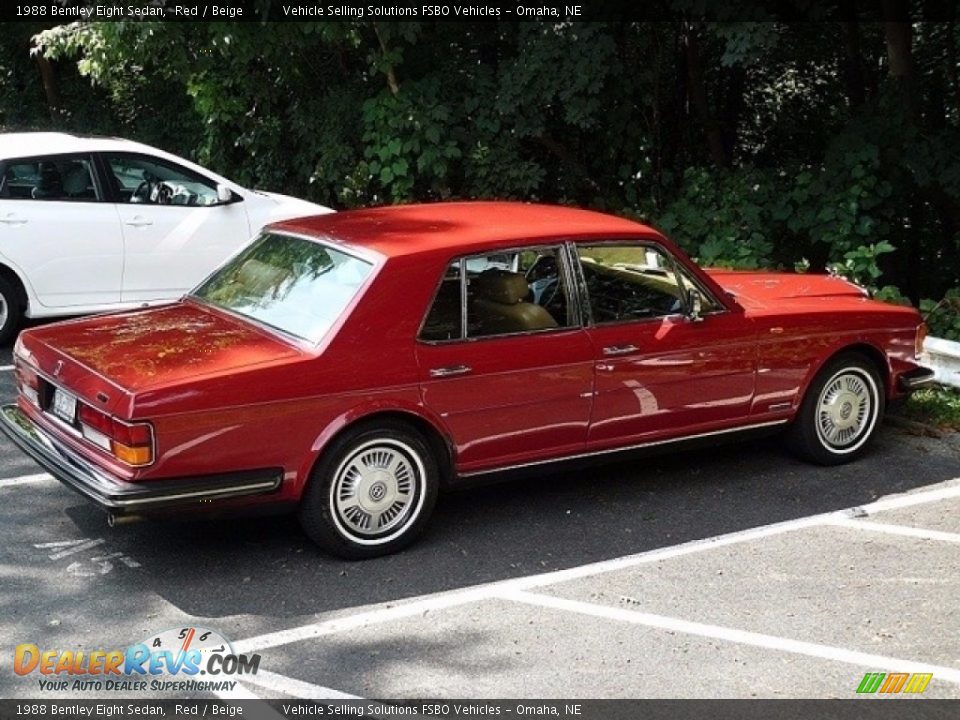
122, 497
917, 378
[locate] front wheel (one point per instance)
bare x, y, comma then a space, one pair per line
841, 411
372, 492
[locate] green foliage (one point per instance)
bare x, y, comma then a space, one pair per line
943, 316
935, 406
794, 159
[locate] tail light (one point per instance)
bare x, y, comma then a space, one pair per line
27, 382
921, 336
130, 443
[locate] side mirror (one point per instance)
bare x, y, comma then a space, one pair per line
695, 305
224, 194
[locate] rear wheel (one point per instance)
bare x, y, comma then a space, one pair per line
372, 492
841, 412
11, 313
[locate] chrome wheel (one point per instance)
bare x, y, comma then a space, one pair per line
377, 491
4, 311
846, 410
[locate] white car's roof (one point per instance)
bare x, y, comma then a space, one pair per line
27, 144
32, 144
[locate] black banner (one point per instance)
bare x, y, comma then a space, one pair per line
65, 11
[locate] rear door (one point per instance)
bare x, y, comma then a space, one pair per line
658, 372
505, 361
57, 228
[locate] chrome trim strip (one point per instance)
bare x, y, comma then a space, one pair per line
627, 448
916, 379
106, 491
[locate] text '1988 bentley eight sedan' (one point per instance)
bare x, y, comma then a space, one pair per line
353, 365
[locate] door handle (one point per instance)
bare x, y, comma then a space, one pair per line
138, 221
11, 219
450, 371
611, 350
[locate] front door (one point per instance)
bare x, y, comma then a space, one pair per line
175, 230
658, 372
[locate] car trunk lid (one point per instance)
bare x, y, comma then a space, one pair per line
108, 360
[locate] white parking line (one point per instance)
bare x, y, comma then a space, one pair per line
6, 367
453, 598
25, 480
903, 530
296, 688
742, 637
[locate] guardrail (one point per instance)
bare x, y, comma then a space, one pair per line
943, 357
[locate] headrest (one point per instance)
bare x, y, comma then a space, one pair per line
75, 179
501, 286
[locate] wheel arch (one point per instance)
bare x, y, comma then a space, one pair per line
871, 352
13, 277
439, 443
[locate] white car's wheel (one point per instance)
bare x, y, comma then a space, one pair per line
841, 411
11, 314
372, 492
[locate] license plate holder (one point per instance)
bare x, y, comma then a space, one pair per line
64, 405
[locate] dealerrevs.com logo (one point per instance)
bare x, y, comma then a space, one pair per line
181, 659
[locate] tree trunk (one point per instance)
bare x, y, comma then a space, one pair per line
899, 34
697, 94
952, 64
391, 75
51, 88
853, 64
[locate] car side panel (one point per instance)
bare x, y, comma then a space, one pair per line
523, 398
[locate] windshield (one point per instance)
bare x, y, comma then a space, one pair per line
289, 283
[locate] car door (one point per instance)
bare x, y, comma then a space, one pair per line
58, 230
660, 373
175, 229
511, 378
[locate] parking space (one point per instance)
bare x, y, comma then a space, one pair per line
734, 571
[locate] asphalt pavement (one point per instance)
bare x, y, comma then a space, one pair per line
736, 571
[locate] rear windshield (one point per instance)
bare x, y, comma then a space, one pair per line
298, 286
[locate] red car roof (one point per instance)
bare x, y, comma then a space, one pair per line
407, 229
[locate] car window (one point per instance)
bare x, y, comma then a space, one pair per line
64, 178
146, 180
502, 293
298, 286
630, 282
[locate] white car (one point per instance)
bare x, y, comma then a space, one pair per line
90, 224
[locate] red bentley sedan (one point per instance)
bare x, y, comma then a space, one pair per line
353, 365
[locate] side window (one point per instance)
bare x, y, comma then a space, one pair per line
64, 178
505, 293
151, 181
445, 319
630, 282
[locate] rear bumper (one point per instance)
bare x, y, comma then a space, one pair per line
119, 496
915, 379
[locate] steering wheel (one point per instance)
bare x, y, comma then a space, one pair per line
544, 280
153, 191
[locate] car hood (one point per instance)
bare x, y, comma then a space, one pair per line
287, 206
149, 349
768, 289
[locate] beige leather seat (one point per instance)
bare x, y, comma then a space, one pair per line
500, 304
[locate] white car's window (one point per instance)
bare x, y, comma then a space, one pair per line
49, 178
289, 283
146, 180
